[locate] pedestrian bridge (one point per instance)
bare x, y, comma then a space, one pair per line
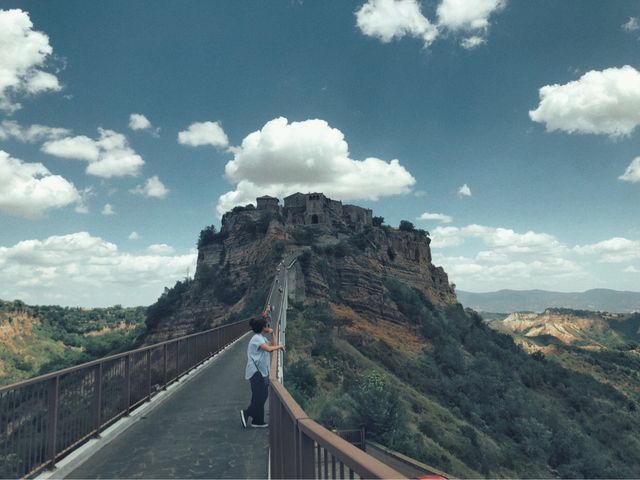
171, 410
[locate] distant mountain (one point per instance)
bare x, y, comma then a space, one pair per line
598, 299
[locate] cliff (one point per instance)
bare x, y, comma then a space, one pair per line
335, 263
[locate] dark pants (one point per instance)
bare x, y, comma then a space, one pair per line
259, 393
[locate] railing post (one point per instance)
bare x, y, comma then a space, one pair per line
149, 375
177, 358
127, 383
305, 456
97, 408
188, 364
52, 421
164, 366
363, 440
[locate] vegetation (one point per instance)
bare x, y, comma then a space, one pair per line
209, 236
471, 402
45, 338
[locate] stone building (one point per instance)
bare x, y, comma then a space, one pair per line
317, 209
268, 203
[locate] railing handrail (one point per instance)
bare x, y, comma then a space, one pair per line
115, 356
357, 460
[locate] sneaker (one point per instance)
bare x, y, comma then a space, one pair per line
259, 425
244, 420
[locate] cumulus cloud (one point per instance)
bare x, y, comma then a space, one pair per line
204, 133
632, 173
137, 121
160, 249
23, 54
464, 191
152, 188
503, 240
631, 25
484, 275
85, 195
613, 250
467, 15
107, 156
393, 19
603, 102
389, 20
497, 257
440, 217
10, 129
81, 269
134, 236
472, 42
284, 158
29, 189
108, 210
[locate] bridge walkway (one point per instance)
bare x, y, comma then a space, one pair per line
195, 433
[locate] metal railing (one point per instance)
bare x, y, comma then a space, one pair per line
44, 418
301, 447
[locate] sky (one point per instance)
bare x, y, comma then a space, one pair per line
506, 128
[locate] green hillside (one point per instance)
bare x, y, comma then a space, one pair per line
447, 390
40, 339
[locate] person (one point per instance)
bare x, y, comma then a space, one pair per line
257, 371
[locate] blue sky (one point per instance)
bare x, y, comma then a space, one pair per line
391, 105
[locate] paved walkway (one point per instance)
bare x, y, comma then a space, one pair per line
196, 433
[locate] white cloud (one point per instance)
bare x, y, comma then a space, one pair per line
108, 156
485, 275
160, 249
284, 158
600, 102
85, 195
420, 193
613, 250
631, 269
152, 188
137, 121
33, 133
440, 217
108, 209
388, 20
204, 133
631, 25
134, 236
464, 191
505, 258
632, 173
467, 15
80, 269
23, 52
472, 42
502, 240
29, 189
393, 19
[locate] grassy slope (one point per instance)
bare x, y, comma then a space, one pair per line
497, 412
39, 339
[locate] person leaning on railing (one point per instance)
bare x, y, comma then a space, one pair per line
257, 371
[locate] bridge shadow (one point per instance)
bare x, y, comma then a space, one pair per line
195, 433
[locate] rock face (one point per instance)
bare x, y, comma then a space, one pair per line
336, 264
590, 330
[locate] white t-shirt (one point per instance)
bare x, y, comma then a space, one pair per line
257, 359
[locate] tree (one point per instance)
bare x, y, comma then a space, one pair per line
406, 226
377, 221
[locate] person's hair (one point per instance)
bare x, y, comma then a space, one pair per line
258, 323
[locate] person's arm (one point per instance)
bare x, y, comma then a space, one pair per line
270, 348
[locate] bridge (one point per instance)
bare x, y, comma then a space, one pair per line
171, 410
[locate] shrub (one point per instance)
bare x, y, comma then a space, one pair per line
406, 226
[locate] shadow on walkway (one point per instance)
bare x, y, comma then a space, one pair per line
196, 433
